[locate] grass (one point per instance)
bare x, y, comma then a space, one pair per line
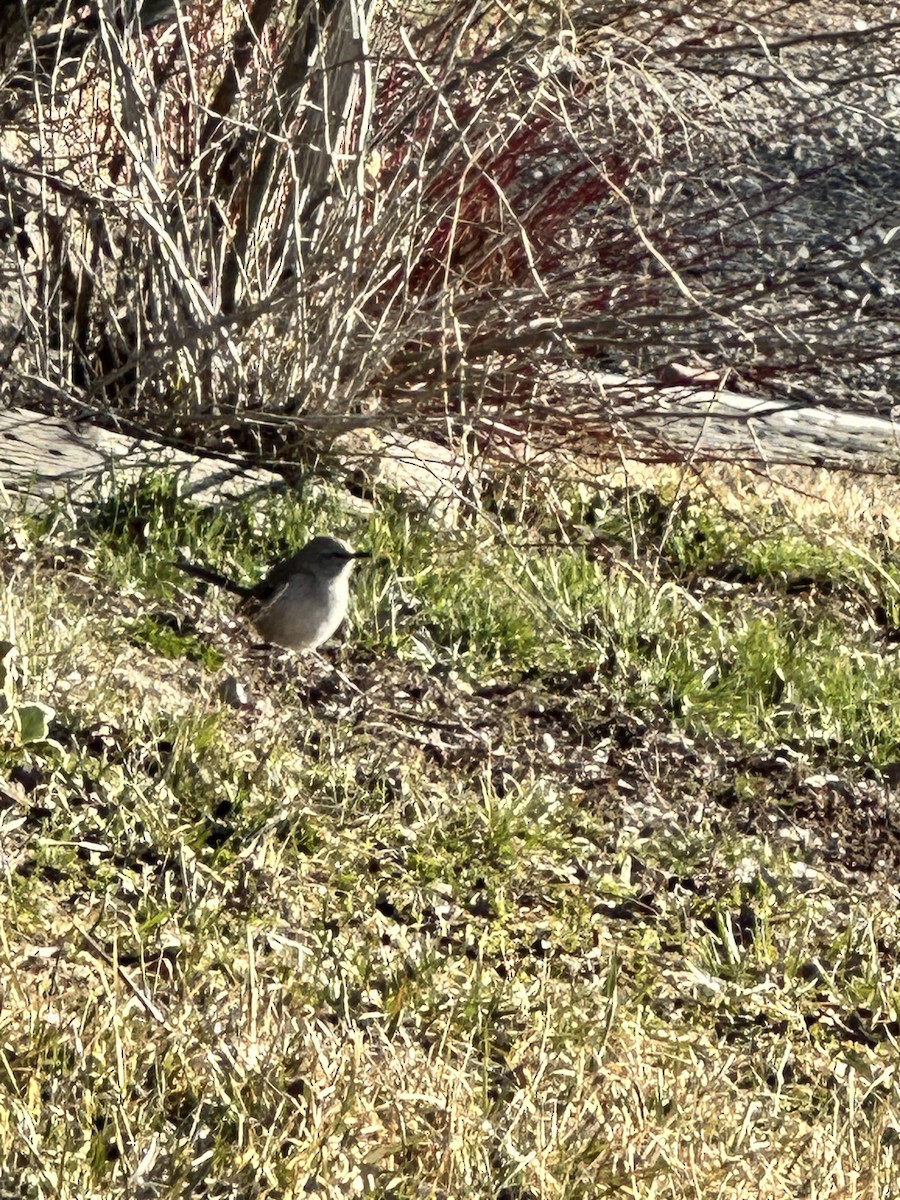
576, 880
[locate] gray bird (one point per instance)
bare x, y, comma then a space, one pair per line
302, 600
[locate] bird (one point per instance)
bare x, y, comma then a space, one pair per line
302, 600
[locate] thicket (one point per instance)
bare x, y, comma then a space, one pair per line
258, 224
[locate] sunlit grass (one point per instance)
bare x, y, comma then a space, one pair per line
382, 932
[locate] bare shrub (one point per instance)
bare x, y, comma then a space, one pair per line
255, 224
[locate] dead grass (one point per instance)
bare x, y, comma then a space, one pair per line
425, 928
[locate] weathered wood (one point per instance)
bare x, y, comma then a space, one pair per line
42, 456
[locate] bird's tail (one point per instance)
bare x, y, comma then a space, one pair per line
210, 576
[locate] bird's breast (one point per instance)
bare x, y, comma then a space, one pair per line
304, 613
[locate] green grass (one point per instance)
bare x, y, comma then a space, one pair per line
758, 660
539, 897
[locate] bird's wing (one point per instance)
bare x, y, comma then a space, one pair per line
272, 584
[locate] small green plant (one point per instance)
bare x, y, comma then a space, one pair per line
162, 635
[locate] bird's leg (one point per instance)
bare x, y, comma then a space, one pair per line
335, 671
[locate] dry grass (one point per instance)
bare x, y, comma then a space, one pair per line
437, 926
577, 878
